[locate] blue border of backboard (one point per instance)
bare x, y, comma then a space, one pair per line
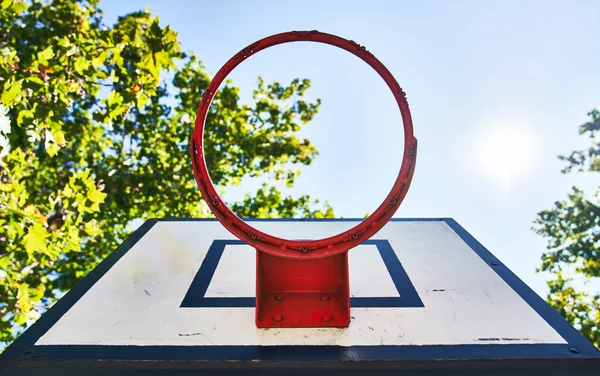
195, 296
577, 347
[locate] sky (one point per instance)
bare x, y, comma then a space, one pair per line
497, 89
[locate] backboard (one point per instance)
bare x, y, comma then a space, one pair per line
178, 295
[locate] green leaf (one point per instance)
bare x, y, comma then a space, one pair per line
52, 148
113, 98
91, 228
141, 100
24, 114
148, 63
59, 137
96, 196
99, 116
19, 6
45, 55
68, 191
13, 230
35, 239
35, 79
81, 64
162, 60
11, 92
23, 298
37, 293
5, 4
20, 319
100, 58
4, 262
116, 112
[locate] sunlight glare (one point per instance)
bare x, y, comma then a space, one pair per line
506, 154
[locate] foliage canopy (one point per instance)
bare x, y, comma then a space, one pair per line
95, 123
572, 228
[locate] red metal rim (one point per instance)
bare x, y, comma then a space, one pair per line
305, 249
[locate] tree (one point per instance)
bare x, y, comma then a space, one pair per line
94, 128
572, 228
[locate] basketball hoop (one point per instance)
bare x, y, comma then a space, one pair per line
322, 252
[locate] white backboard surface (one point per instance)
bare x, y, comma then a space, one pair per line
184, 289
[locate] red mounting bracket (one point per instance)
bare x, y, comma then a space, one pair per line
297, 292
303, 283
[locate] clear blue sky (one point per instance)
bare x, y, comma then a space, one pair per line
496, 88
